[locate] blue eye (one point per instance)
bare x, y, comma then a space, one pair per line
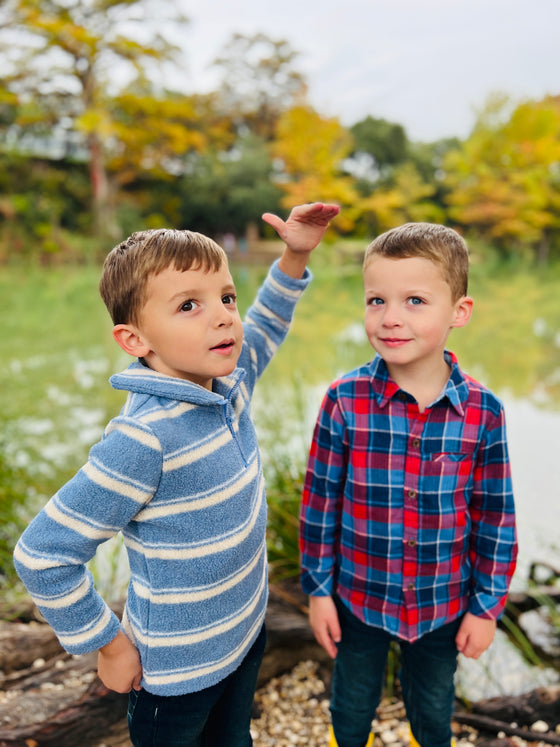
375, 301
229, 299
415, 301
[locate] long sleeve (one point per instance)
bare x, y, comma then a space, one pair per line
322, 500
493, 546
268, 320
120, 477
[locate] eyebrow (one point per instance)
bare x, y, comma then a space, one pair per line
188, 292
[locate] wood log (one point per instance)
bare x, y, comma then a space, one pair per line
22, 644
494, 726
541, 704
52, 699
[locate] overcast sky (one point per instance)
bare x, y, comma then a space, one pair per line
426, 64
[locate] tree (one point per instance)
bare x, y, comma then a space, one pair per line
62, 61
312, 150
225, 190
379, 146
504, 182
407, 198
259, 82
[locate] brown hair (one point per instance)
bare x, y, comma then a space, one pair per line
441, 245
128, 266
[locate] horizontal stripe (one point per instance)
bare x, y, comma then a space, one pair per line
197, 636
117, 484
199, 502
171, 678
76, 639
175, 596
196, 550
196, 452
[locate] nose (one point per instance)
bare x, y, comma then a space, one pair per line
391, 316
223, 317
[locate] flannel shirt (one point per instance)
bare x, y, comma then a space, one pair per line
408, 516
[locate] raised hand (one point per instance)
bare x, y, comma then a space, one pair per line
305, 226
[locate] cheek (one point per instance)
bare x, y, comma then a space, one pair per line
370, 325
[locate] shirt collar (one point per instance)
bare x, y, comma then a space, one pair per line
385, 389
141, 379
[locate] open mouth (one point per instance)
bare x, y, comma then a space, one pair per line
226, 346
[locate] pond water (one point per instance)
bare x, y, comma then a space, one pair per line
55, 401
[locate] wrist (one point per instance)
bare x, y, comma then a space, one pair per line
294, 263
119, 643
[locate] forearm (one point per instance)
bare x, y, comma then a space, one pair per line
293, 263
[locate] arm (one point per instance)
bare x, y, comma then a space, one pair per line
302, 232
268, 320
493, 539
321, 506
51, 556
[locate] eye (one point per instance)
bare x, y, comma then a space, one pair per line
375, 301
188, 305
415, 301
229, 299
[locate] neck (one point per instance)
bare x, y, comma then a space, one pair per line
424, 381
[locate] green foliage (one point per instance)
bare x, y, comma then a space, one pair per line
503, 182
386, 142
284, 486
84, 150
225, 191
41, 202
14, 492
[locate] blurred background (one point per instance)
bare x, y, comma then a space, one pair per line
121, 115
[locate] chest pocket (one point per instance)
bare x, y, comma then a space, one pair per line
446, 478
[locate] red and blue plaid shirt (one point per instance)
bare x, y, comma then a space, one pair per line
409, 516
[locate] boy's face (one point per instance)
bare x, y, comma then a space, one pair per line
190, 326
410, 311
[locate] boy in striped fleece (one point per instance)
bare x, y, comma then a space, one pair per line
178, 472
407, 522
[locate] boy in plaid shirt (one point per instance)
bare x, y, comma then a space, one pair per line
407, 520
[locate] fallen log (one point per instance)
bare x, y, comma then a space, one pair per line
541, 704
489, 725
49, 698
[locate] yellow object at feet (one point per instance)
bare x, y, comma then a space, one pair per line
332, 740
414, 743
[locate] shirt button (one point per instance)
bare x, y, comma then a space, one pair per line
411, 494
410, 587
411, 542
416, 443
402, 396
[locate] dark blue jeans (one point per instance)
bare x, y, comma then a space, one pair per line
219, 716
427, 671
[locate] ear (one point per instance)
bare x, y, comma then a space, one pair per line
463, 311
130, 340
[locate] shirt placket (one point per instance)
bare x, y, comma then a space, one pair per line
411, 517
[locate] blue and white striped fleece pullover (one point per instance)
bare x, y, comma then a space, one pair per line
179, 473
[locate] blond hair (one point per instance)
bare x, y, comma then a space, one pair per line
441, 245
128, 266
